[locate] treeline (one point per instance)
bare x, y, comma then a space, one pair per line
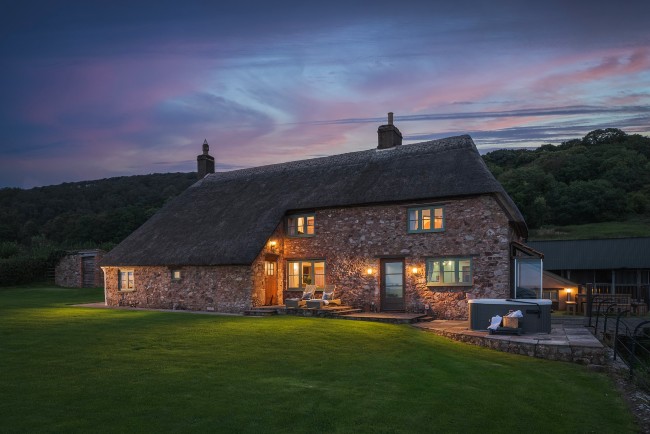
38, 224
605, 176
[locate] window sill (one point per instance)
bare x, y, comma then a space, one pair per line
126, 290
437, 285
426, 232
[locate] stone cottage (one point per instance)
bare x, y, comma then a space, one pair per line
395, 228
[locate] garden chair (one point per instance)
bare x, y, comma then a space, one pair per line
326, 299
307, 294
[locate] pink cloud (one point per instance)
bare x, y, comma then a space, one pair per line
609, 66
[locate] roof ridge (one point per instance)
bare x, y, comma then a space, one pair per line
345, 159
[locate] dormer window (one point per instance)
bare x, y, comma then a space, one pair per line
301, 225
426, 219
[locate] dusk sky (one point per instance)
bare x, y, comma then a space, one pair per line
96, 89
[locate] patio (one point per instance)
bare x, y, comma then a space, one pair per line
569, 340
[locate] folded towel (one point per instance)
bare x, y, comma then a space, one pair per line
515, 314
495, 322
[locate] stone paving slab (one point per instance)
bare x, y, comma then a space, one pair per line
570, 344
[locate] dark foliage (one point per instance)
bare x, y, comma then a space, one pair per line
82, 214
604, 176
35, 223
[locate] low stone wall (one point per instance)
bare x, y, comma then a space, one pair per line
584, 353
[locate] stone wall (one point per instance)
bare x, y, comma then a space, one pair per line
69, 271
219, 289
351, 240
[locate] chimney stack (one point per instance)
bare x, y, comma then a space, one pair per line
389, 136
205, 162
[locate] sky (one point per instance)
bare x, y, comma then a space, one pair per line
96, 89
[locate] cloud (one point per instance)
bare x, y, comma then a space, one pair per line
99, 89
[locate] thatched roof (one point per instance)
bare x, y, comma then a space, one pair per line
226, 218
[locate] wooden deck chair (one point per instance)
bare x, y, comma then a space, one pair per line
326, 299
307, 294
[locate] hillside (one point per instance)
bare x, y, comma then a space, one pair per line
84, 214
603, 177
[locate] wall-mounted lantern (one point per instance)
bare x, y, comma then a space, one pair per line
369, 271
273, 244
568, 294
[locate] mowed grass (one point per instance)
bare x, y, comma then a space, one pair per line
633, 227
72, 369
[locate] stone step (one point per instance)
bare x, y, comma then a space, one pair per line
344, 312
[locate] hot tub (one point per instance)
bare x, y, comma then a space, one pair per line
536, 311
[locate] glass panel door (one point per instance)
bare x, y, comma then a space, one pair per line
392, 284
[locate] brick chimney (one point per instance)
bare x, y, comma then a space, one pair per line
389, 135
205, 162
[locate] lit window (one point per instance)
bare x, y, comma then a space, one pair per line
426, 219
300, 225
303, 273
449, 272
126, 281
176, 274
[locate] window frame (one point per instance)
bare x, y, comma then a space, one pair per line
130, 279
432, 209
301, 286
458, 273
293, 227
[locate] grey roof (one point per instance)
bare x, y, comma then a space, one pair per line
227, 217
594, 254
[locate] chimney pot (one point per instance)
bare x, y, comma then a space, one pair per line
389, 135
204, 162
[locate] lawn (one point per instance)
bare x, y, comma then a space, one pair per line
632, 227
72, 369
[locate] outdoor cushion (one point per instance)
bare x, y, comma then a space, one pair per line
328, 292
307, 294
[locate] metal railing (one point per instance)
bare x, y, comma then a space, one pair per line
629, 337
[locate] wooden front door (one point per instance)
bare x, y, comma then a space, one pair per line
392, 284
270, 283
88, 271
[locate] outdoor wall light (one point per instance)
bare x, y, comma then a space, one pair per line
568, 294
414, 270
369, 271
273, 244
